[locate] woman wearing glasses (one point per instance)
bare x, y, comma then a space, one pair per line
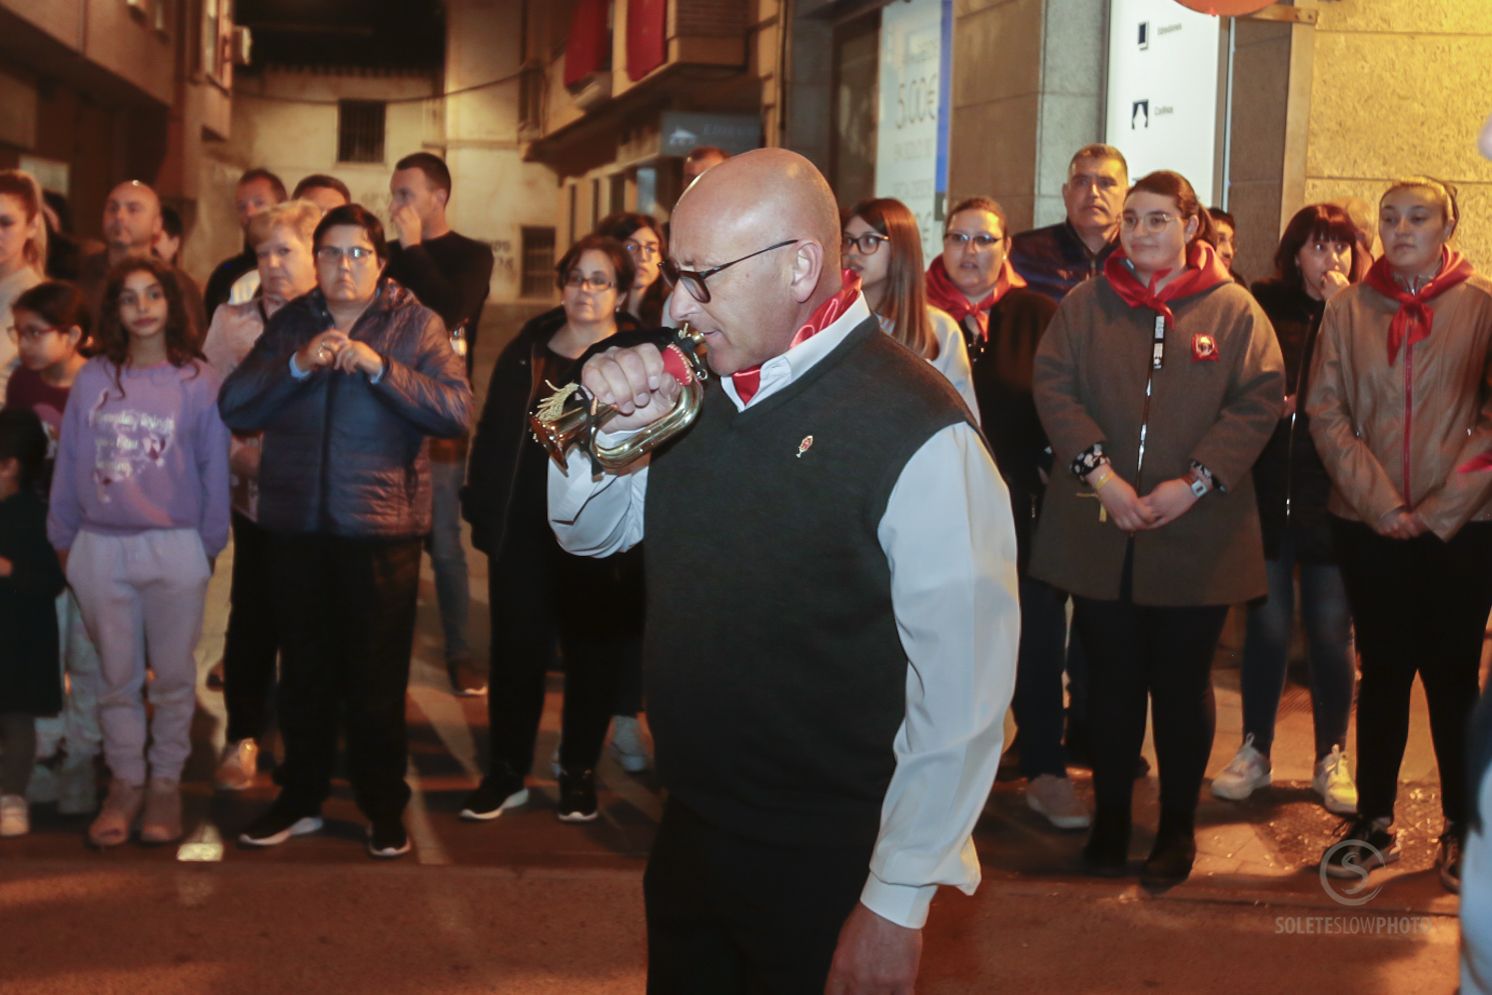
642, 237
347, 383
539, 595
1158, 386
1003, 322
884, 246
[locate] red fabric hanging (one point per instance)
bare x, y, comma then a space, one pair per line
589, 41
647, 41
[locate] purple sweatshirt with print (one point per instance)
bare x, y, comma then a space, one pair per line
155, 457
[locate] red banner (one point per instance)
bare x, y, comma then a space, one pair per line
647, 42
590, 38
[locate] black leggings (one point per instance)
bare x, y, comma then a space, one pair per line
1420, 606
592, 609
1165, 654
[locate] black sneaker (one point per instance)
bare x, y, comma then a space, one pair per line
1363, 844
281, 822
1170, 862
465, 681
577, 796
387, 839
496, 794
1448, 859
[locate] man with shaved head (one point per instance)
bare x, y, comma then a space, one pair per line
831, 620
132, 223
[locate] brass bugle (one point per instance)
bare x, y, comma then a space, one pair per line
571, 416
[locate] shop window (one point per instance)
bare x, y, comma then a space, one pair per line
360, 130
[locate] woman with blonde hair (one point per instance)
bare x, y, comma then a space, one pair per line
882, 243
1400, 409
23, 253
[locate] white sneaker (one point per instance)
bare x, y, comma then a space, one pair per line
627, 744
1053, 797
15, 816
1246, 772
239, 765
1333, 782
77, 787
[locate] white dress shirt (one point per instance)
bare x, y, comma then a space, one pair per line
950, 545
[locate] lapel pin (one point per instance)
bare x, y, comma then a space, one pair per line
805, 445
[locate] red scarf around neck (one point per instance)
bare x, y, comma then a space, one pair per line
943, 293
1203, 271
1413, 320
749, 381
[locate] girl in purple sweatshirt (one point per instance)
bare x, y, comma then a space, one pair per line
139, 511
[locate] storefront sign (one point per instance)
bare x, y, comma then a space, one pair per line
684, 132
912, 128
1162, 90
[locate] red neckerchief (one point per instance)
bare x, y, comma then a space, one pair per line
1412, 321
942, 293
1203, 271
748, 382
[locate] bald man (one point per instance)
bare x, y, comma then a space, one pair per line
831, 614
132, 223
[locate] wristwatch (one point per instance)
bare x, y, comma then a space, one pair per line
1198, 483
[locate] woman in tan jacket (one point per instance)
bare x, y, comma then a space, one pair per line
1158, 386
1399, 405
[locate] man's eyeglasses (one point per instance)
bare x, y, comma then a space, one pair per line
980, 241
1154, 223
694, 280
580, 281
865, 244
333, 254
19, 335
640, 250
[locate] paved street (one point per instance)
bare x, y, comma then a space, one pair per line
526, 904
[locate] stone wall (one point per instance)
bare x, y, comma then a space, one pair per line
1402, 87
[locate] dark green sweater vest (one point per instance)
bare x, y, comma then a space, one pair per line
775, 676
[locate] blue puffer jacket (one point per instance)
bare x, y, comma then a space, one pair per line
344, 456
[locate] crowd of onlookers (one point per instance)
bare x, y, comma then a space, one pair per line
1322, 439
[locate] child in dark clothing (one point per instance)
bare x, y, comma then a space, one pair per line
30, 580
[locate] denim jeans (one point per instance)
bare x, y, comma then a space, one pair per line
1328, 627
447, 556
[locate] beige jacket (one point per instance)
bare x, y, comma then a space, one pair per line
1394, 436
1216, 406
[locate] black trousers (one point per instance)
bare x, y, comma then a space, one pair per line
1137, 652
250, 647
540, 598
1419, 606
730, 916
345, 610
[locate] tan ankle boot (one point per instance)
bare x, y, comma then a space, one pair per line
112, 827
161, 822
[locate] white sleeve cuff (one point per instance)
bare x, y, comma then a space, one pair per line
906, 905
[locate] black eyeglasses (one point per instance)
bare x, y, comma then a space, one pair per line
865, 244
694, 281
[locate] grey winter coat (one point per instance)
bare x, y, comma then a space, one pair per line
342, 455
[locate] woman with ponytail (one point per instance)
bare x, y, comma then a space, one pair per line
1158, 385
1400, 405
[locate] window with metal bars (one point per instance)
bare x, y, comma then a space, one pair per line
538, 262
360, 130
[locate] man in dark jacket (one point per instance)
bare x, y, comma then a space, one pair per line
257, 191
1058, 257
450, 274
346, 383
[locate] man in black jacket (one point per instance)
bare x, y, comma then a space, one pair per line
257, 191
450, 274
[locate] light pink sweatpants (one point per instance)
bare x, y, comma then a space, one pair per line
142, 599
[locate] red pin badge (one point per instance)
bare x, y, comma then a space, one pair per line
805, 445
1204, 349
